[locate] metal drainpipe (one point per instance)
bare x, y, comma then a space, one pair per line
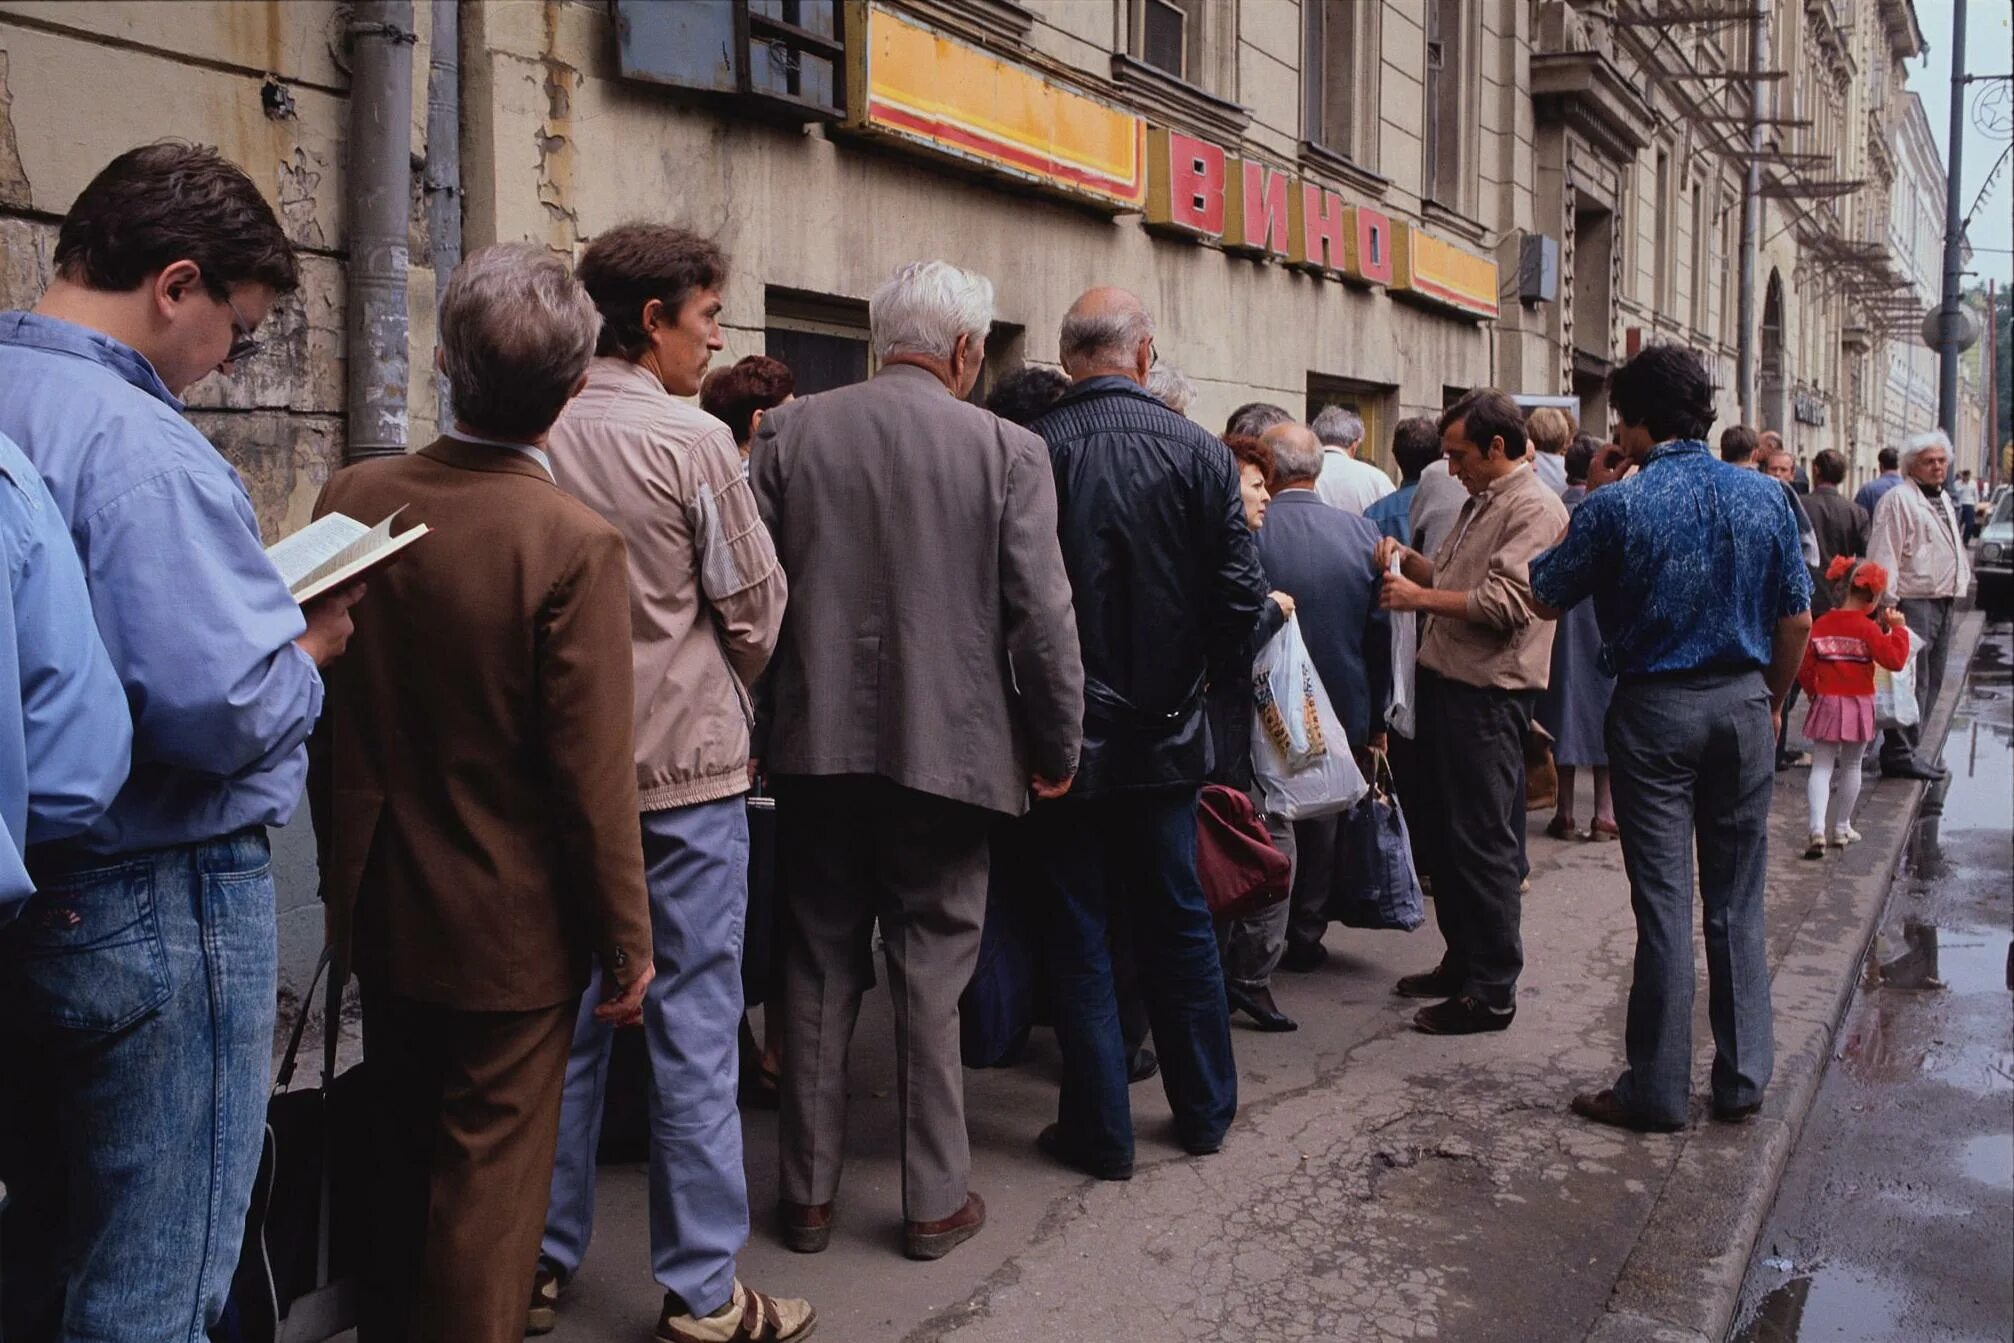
1954, 238
380, 166
443, 177
1751, 221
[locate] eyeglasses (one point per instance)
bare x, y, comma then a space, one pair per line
243, 343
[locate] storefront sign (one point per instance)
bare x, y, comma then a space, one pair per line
941, 95
1437, 272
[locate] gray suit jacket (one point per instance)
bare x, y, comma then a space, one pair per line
929, 637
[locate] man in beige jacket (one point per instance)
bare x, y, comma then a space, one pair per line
706, 603
1916, 537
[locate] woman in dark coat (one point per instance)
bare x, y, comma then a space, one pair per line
1576, 700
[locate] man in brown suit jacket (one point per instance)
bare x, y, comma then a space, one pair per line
926, 678
476, 807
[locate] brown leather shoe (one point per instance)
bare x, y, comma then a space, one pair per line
934, 1240
1603, 1108
806, 1227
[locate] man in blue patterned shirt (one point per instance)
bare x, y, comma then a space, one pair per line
1701, 593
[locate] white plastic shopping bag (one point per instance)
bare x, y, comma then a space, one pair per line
1299, 754
1400, 706
1895, 692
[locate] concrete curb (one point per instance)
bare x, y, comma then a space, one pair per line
1682, 1281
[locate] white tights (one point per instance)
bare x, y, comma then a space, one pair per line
1819, 787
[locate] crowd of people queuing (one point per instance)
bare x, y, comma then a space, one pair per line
526, 743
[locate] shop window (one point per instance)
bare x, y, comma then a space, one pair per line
822, 339
1448, 76
1339, 72
1368, 401
783, 57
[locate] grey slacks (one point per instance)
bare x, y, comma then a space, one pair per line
851, 850
1932, 620
1252, 947
1692, 761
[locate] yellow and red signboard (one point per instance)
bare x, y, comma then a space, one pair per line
940, 94
1438, 272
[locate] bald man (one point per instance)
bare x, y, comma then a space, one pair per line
1167, 587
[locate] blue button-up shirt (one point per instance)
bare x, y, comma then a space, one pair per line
1691, 564
197, 622
65, 737
1392, 514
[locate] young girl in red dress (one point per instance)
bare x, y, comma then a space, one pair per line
1838, 676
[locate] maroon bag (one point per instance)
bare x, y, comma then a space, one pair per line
1242, 873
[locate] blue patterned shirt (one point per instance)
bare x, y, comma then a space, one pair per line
1691, 564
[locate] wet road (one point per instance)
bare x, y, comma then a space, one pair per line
1895, 1219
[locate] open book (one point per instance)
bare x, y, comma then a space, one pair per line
331, 551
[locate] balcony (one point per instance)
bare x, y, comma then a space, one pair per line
1575, 82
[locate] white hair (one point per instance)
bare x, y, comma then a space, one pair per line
926, 306
1171, 387
1338, 427
1916, 445
1294, 457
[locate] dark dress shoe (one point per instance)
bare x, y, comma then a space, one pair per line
1603, 1108
1461, 1016
934, 1240
1439, 982
1260, 1007
1736, 1114
1142, 1064
1059, 1149
1301, 957
1914, 768
806, 1227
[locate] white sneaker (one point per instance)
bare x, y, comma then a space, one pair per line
1843, 835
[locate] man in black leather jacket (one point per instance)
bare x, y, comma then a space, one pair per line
1168, 589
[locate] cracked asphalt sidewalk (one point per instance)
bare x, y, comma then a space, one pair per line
1378, 1185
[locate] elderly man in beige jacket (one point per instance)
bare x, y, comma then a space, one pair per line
706, 598
1916, 537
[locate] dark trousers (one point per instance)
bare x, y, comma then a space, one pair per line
1933, 620
853, 850
1690, 764
1471, 750
465, 1115
1132, 855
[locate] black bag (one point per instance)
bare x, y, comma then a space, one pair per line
305, 1227
998, 1006
1375, 885
760, 943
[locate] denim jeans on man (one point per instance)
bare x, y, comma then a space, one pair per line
1138, 848
1932, 620
696, 863
1693, 752
136, 1035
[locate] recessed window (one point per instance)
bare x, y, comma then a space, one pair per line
1164, 39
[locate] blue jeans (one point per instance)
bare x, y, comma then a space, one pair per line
1137, 850
1692, 762
696, 864
136, 1038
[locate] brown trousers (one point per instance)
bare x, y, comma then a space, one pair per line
853, 849
465, 1116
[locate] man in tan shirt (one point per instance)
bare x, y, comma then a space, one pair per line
1484, 655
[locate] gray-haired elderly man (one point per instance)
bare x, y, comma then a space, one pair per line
1168, 591
1916, 537
926, 681
1345, 482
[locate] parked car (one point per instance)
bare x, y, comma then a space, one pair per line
1994, 561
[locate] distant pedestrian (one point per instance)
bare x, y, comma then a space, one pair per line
742, 393
1168, 590
1416, 445
1326, 559
1574, 706
1965, 498
706, 603
1915, 539
1346, 482
1551, 431
1703, 600
1023, 396
927, 678
1847, 643
1889, 461
1250, 947
1485, 654
1840, 525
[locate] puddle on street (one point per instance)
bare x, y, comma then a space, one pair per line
1989, 1159
1824, 1302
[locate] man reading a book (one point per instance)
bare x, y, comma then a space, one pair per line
476, 808
136, 1019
